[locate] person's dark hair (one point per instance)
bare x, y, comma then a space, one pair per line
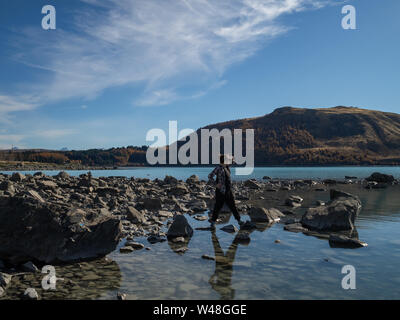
222, 159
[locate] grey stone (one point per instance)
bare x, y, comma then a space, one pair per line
258, 214
30, 294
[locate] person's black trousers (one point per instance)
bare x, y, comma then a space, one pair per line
220, 199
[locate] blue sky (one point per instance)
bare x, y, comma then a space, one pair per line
114, 69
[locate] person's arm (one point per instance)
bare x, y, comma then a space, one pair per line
212, 174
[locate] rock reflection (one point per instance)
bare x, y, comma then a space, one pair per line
83, 281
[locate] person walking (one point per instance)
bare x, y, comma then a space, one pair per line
223, 191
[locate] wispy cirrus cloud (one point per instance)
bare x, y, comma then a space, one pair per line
166, 46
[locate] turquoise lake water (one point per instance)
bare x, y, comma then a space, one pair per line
273, 172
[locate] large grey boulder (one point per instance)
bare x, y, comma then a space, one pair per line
180, 227
258, 214
50, 232
338, 214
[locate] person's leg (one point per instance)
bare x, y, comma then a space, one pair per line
219, 203
230, 201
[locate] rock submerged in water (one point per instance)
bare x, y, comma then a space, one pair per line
50, 232
339, 241
338, 214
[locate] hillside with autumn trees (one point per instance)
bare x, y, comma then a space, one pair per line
323, 136
287, 136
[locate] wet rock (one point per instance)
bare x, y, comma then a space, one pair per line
380, 177
200, 217
338, 214
126, 249
266, 178
258, 214
319, 203
30, 294
295, 227
135, 245
340, 241
53, 232
350, 177
179, 228
230, 229
207, 257
277, 241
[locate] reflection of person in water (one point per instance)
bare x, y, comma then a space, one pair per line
221, 280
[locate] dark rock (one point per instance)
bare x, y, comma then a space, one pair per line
258, 214
380, 177
17, 177
51, 232
207, 257
230, 229
242, 237
193, 180
178, 190
152, 203
179, 228
340, 241
29, 267
295, 227
350, 177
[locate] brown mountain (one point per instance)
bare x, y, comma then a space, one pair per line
324, 136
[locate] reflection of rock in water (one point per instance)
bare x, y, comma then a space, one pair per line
83, 281
178, 245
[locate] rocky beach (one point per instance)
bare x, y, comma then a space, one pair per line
75, 222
